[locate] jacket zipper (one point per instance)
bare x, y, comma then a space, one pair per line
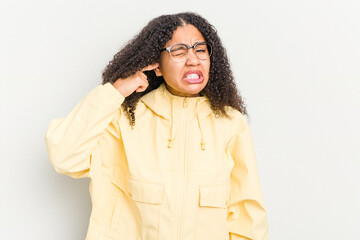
183, 176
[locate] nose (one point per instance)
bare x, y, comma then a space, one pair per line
192, 58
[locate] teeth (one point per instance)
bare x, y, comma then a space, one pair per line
192, 76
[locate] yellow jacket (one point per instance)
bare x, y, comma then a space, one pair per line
181, 173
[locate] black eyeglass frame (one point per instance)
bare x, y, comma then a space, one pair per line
168, 49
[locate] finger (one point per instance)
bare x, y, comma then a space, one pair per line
142, 88
143, 76
142, 82
150, 67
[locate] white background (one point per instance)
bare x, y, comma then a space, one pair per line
296, 63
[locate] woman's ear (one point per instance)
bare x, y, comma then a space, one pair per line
158, 71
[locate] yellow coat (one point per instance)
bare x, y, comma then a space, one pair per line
181, 173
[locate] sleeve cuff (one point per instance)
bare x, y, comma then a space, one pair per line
112, 94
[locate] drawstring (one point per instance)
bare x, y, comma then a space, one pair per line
201, 132
171, 138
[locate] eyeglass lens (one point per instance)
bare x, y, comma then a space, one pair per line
180, 52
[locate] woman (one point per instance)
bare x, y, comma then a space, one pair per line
164, 141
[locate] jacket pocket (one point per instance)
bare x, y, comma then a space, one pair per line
147, 198
145, 192
212, 212
137, 210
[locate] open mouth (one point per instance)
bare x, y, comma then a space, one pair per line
193, 77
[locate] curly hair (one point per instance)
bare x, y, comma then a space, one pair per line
145, 48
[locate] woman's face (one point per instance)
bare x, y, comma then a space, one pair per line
186, 78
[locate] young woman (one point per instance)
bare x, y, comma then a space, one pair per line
164, 141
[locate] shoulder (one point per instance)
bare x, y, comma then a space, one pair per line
237, 119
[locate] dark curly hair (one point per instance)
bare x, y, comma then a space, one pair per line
145, 48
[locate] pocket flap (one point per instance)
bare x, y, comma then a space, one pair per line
214, 196
146, 192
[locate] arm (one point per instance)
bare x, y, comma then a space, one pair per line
247, 217
71, 140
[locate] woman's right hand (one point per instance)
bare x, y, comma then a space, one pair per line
137, 82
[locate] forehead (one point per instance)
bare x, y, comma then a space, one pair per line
188, 34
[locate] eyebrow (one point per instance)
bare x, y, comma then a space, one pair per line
203, 41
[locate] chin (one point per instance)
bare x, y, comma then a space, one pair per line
187, 90
193, 89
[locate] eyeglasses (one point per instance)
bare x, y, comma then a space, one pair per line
180, 51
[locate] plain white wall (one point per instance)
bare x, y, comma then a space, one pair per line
296, 63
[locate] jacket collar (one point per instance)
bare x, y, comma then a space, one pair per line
164, 104
159, 101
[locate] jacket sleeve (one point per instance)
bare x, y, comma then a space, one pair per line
71, 140
247, 218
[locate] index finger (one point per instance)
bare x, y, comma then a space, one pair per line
150, 67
